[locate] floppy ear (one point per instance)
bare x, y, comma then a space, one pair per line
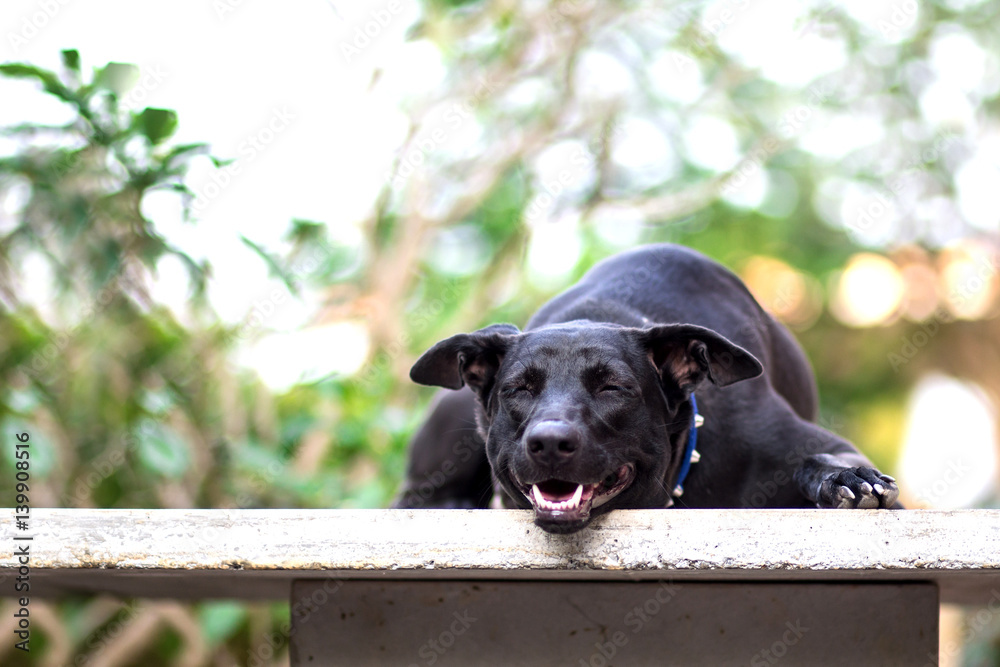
471, 359
688, 354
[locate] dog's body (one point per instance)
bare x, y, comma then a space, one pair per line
589, 409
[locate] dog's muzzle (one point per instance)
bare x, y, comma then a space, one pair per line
564, 507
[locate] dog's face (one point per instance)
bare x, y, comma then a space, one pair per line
582, 418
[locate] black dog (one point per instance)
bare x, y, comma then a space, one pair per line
598, 403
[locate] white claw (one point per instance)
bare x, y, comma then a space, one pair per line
879, 489
866, 489
845, 492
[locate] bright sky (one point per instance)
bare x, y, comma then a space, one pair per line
283, 89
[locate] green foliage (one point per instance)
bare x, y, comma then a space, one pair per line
162, 451
89, 226
157, 125
220, 620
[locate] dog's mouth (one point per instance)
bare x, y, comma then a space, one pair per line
564, 507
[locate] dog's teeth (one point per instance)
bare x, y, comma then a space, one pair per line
552, 506
695, 456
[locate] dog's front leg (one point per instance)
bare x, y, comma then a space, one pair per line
845, 479
447, 467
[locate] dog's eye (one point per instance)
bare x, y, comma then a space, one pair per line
517, 390
612, 388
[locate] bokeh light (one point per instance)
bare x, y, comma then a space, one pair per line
949, 456
868, 292
969, 279
790, 295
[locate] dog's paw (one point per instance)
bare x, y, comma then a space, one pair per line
858, 488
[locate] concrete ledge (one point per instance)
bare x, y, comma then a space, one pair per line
257, 553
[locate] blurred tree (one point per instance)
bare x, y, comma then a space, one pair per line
127, 406
785, 141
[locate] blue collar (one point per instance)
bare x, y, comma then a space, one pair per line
690, 454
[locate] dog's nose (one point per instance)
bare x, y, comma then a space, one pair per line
552, 441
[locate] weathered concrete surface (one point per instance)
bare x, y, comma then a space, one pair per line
469, 624
256, 553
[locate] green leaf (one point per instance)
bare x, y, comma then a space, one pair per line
453, 4
273, 265
71, 60
50, 82
220, 620
162, 451
156, 124
305, 231
185, 151
119, 78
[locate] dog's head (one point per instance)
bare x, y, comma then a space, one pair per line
582, 418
